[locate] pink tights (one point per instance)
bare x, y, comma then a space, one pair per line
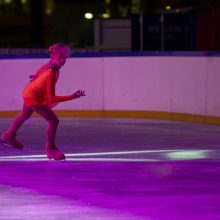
44, 112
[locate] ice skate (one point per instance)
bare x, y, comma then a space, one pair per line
54, 153
11, 141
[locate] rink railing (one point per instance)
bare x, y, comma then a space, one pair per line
167, 85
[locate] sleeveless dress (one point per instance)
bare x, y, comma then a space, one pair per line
36, 91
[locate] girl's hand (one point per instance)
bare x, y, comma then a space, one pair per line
78, 94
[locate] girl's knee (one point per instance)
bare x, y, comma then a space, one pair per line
26, 113
24, 116
54, 122
57, 121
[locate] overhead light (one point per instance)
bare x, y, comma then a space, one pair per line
7, 1
168, 8
23, 1
105, 15
88, 15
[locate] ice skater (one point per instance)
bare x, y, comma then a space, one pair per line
39, 96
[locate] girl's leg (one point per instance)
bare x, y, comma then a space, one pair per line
53, 122
9, 137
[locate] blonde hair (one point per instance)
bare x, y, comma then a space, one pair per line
57, 47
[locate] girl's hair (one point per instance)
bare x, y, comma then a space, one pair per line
55, 48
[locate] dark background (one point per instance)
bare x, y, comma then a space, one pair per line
189, 25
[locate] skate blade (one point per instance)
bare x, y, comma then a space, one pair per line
52, 159
4, 144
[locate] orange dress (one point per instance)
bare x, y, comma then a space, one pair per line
41, 90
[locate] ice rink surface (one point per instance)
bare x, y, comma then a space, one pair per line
115, 169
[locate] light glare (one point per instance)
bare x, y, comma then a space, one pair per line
188, 155
169, 154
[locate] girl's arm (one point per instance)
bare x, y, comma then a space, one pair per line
51, 81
